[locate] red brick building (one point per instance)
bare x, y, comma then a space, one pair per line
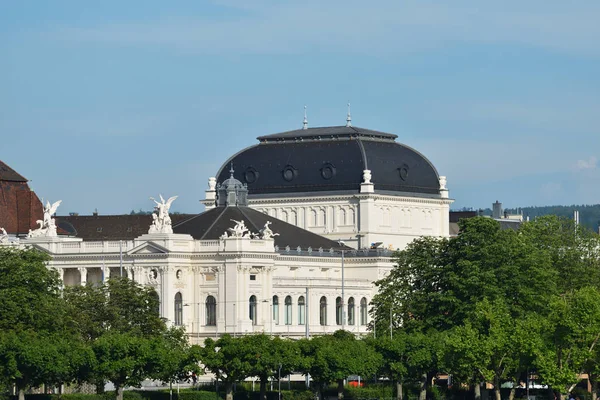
20, 207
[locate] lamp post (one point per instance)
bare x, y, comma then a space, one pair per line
279, 382
342, 243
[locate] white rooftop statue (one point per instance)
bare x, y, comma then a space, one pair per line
239, 230
266, 232
47, 225
3, 236
161, 221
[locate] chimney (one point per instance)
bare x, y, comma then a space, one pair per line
95, 213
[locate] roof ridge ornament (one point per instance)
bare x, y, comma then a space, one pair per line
305, 122
348, 117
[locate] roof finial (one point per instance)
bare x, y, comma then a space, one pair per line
349, 117
231, 170
305, 122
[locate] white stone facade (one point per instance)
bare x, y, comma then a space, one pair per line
359, 219
241, 275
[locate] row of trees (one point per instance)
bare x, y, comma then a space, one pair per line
491, 305
487, 306
112, 332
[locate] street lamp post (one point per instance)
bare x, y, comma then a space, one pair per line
279, 382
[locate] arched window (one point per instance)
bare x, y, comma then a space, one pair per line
338, 311
313, 219
322, 218
363, 311
178, 309
288, 310
252, 309
211, 311
323, 311
351, 217
276, 310
293, 218
342, 217
301, 310
351, 311
284, 216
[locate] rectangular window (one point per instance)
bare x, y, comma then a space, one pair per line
252, 277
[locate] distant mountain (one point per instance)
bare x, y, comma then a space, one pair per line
589, 215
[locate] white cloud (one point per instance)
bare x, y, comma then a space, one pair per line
590, 163
384, 27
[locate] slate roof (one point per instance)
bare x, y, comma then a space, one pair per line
331, 159
211, 225
326, 132
110, 227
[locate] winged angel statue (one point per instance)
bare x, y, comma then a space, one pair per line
161, 222
47, 225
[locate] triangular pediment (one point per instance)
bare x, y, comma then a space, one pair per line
148, 248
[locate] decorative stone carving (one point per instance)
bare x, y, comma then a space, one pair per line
367, 176
212, 183
3, 236
443, 183
161, 221
238, 231
266, 232
47, 225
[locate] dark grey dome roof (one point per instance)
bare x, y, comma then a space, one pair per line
331, 159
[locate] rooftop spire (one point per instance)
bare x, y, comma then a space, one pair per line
231, 170
349, 117
305, 122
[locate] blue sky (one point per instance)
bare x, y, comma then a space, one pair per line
103, 104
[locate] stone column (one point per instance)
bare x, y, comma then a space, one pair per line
82, 275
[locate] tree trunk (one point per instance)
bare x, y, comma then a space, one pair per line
594, 383
228, 390
263, 388
99, 387
497, 388
513, 391
399, 394
21, 394
423, 392
477, 391
340, 389
170, 390
119, 390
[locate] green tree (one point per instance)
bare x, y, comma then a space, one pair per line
573, 331
173, 358
118, 305
437, 284
123, 359
33, 327
29, 292
492, 347
120, 308
407, 358
270, 358
332, 358
227, 359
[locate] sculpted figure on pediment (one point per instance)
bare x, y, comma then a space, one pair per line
161, 221
47, 225
266, 232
